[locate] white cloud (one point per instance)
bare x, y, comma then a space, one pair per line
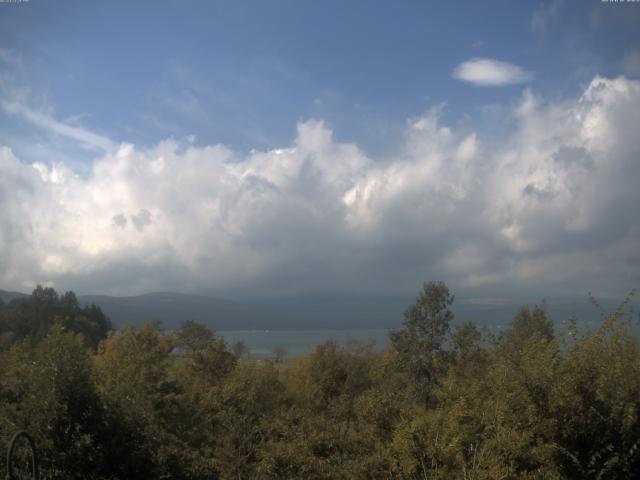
487, 72
545, 15
45, 121
551, 207
9, 57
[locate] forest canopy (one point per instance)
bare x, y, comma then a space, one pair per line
445, 399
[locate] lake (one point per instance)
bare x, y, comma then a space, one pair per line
298, 342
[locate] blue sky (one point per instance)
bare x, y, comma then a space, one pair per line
242, 73
78, 80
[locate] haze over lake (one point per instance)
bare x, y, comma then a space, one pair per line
263, 343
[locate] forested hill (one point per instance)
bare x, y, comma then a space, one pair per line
6, 296
320, 312
292, 313
174, 308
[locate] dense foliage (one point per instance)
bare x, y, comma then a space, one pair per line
32, 317
444, 400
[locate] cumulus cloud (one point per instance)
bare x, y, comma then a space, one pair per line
551, 206
487, 72
120, 220
141, 219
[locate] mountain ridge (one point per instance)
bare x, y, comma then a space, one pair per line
309, 313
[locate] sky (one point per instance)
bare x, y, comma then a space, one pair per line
283, 148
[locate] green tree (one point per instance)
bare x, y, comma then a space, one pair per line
205, 359
132, 378
47, 389
194, 337
421, 343
33, 316
527, 324
595, 402
250, 395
